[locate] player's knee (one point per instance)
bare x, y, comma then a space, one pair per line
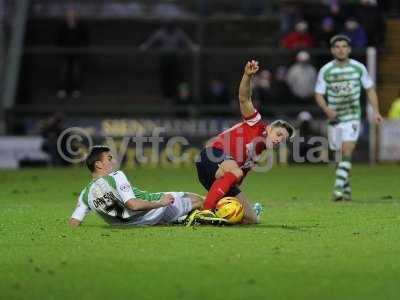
347, 151
237, 172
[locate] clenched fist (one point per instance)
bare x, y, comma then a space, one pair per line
251, 68
167, 199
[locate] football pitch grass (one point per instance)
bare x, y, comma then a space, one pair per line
306, 247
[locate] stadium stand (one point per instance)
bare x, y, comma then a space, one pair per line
116, 81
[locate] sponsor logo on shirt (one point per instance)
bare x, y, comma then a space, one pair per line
125, 187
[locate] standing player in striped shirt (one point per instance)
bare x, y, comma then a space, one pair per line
338, 92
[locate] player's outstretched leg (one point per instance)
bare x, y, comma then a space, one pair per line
197, 200
227, 176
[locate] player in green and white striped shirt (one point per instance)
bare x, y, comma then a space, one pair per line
338, 92
113, 198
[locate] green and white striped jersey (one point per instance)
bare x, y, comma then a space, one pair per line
107, 196
341, 86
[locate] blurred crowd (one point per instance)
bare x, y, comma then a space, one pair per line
363, 23
282, 85
286, 84
302, 27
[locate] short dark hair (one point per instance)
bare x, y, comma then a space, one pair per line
95, 155
289, 128
339, 38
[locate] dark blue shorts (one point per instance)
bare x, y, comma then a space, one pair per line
207, 167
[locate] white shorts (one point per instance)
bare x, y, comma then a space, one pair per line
165, 215
343, 132
181, 206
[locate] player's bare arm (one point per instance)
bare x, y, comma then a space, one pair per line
136, 204
330, 113
246, 105
247, 109
373, 100
74, 222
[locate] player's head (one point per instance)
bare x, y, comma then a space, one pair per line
340, 47
279, 131
100, 160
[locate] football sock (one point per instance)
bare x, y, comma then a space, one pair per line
342, 173
347, 188
218, 189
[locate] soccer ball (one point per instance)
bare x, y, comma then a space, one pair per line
230, 209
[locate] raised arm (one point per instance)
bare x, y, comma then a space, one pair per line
246, 105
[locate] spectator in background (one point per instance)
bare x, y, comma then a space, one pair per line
336, 13
184, 95
334, 5
50, 130
394, 111
170, 9
307, 131
71, 34
217, 93
355, 32
327, 31
304, 119
118, 9
288, 17
301, 77
262, 86
170, 39
253, 7
299, 38
369, 2
280, 92
371, 17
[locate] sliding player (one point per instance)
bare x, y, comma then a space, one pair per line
113, 198
338, 92
227, 158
